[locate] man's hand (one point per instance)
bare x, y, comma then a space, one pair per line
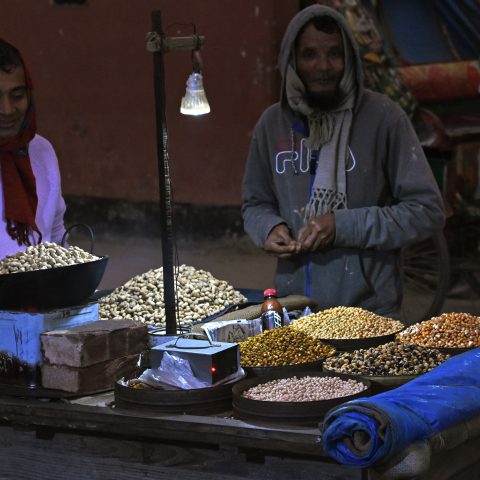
280, 243
318, 233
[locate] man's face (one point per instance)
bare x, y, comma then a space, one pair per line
13, 101
320, 64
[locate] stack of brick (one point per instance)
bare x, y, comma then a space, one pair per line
91, 357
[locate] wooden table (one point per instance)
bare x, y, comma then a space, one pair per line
86, 438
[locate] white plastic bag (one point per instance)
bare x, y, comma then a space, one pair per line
174, 371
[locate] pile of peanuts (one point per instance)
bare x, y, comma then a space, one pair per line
390, 359
449, 330
282, 346
43, 256
347, 323
199, 295
304, 389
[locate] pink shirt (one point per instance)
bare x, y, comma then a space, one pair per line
51, 206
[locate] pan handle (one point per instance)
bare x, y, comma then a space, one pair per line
87, 228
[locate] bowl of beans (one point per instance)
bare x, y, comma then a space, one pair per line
386, 366
300, 398
282, 350
349, 328
451, 333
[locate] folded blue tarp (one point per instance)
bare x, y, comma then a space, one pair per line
372, 431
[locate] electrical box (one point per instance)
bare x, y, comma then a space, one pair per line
210, 362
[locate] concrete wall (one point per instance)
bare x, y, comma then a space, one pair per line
94, 90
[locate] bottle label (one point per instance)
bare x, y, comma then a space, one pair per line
271, 319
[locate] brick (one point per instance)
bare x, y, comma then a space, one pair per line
93, 343
98, 377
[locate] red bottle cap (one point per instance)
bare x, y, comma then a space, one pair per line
270, 292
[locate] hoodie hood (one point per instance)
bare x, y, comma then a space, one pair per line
296, 25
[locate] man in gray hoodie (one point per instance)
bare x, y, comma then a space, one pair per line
336, 181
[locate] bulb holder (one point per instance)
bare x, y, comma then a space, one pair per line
195, 101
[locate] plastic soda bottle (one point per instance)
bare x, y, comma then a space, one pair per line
271, 312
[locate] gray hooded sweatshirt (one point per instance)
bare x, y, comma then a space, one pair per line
392, 197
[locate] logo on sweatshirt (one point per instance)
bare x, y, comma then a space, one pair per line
296, 161
299, 161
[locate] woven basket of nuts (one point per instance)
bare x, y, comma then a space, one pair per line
48, 276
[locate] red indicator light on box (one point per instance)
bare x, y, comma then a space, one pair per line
213, 369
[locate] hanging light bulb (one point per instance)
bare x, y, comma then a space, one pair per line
195, 101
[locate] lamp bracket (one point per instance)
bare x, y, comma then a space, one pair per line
159, 43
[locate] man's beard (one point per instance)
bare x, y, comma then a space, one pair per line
324, 101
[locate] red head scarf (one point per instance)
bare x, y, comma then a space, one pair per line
18, 181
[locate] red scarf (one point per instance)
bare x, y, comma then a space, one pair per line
18, 181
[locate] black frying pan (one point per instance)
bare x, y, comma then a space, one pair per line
51, 288
54, 287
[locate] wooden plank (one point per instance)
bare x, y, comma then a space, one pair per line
220, 441
459, 463
189, 428
82, 457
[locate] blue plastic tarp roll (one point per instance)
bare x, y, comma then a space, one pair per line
372, 431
